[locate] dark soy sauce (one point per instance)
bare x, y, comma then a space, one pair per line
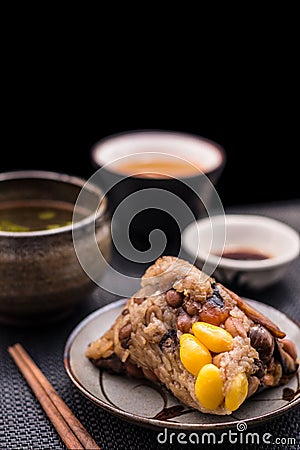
244, 254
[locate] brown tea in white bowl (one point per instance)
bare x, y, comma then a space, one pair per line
157, 180
158, 167
158, 154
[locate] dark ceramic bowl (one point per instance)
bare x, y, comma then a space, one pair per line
41, 277
166, 200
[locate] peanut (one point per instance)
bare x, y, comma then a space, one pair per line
235, 327
184, 321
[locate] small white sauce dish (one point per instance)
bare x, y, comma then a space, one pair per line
270, 246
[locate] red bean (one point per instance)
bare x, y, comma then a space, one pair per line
173, 298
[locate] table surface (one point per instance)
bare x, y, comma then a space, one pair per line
23, 424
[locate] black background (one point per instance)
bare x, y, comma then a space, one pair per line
69, 81
54, 128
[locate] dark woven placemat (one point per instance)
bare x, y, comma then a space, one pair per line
23, 424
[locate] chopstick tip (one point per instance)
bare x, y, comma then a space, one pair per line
13, 345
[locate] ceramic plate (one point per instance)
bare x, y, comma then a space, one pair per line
144, 403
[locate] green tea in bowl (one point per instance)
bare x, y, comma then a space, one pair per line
42, 279
36, 215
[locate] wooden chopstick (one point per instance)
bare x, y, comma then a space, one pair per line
71, 431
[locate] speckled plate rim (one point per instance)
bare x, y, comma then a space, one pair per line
90, 321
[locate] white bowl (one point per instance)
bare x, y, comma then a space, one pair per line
158, 145
151, 180
207, 239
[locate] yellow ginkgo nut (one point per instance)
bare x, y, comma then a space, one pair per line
237, 392
215, 338
193, 354
209, 387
